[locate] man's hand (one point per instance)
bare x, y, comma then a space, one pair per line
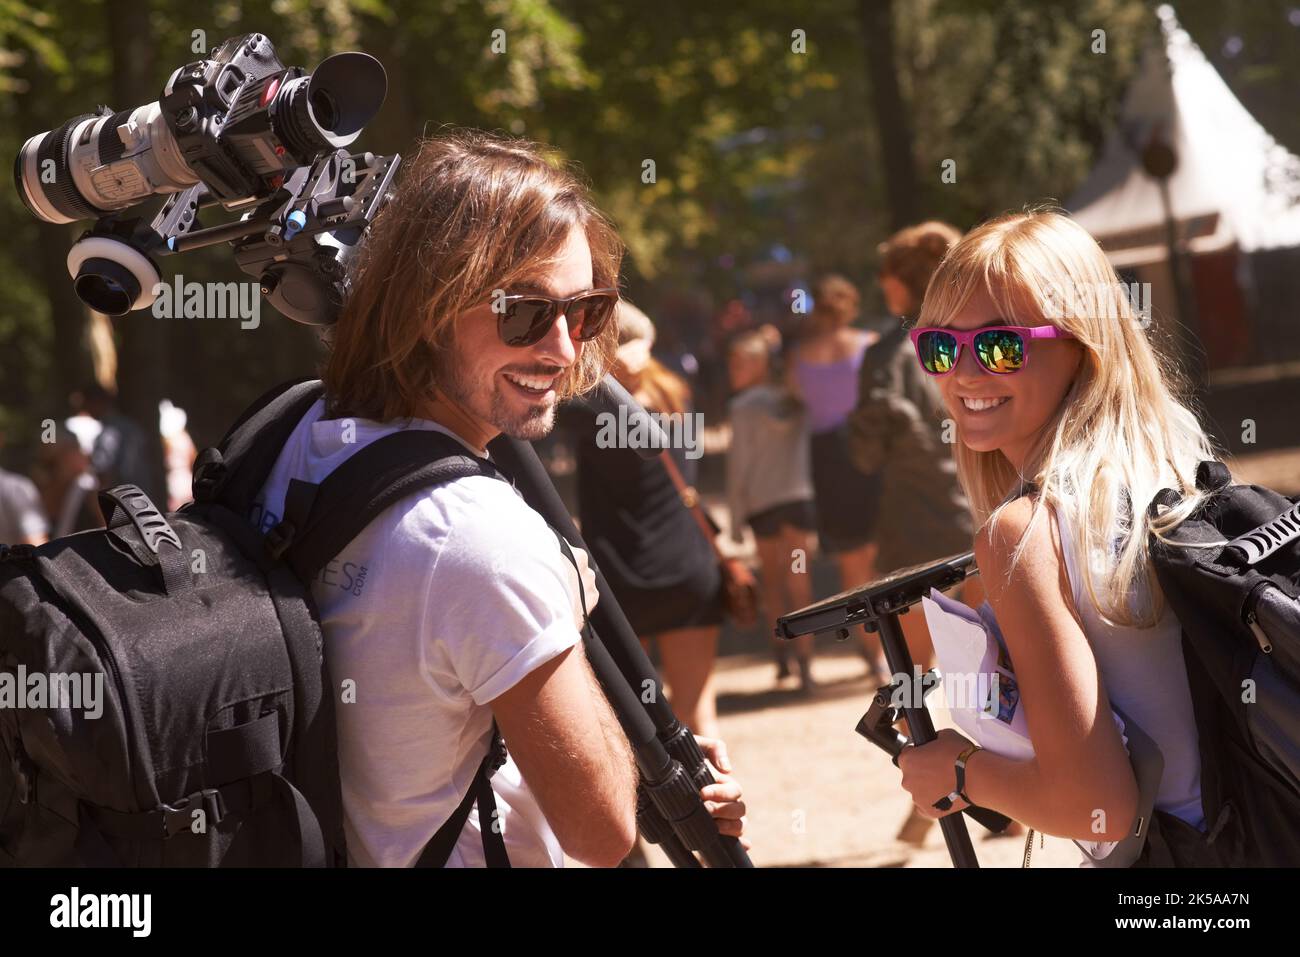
589, 591
722, 799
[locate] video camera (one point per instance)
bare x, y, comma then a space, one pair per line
240, 130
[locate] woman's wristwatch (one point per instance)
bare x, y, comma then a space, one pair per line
944, 803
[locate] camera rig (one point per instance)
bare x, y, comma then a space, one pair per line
239, 130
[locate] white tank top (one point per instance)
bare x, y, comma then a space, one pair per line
1144, 676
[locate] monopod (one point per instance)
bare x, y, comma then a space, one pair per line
670, 811
876, 607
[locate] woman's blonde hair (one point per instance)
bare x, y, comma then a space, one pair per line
473, 212
1120, 434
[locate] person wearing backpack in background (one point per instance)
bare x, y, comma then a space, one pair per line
1068, 426
484, 296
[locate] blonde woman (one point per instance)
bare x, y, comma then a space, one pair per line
898, 430
1068, 424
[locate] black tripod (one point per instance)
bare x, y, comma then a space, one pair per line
670, 811
876, 606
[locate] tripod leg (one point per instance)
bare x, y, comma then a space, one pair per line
921, 729
671, 763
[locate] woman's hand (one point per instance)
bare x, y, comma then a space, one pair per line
722, 798
930, 772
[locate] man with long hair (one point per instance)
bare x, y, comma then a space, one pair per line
483, 297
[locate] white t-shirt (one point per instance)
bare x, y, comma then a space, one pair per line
445, 601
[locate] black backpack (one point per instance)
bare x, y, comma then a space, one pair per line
215, 742
1237, 604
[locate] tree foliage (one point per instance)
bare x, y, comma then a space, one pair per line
758, 119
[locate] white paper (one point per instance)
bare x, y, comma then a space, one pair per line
980, 686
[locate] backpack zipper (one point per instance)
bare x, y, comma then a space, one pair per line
1252, 620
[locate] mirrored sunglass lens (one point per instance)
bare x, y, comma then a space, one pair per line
587, 316
938, 351
1000, 351
524, 322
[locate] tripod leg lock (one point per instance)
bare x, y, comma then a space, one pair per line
678, 801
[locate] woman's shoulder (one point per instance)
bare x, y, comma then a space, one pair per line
1014, 523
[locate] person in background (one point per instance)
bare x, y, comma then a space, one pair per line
824, 374
897, 431
22, 516
115, 443
179, 453
659, 565
897, 427
769, 487
67, 485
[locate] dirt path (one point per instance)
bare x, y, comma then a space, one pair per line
819, 794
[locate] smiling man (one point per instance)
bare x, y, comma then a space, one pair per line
483, 297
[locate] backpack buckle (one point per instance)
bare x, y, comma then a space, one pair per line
178, 818
279, 538
209, 473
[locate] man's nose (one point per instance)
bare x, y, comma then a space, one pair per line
557, 345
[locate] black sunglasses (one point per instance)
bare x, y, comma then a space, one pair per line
526, 319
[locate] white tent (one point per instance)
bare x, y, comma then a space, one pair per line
1234, 185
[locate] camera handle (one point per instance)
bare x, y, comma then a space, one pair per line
877, 726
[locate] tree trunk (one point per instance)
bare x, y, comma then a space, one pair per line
143, 354
895, 133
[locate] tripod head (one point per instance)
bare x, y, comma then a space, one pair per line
867, 604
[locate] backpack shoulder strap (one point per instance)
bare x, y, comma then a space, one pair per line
237, 468
440, 846
320, 520
277, 393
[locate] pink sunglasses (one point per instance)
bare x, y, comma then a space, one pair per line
1000, 350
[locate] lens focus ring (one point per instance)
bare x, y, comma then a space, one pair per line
62, 194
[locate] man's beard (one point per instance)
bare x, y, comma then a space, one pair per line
534, 423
